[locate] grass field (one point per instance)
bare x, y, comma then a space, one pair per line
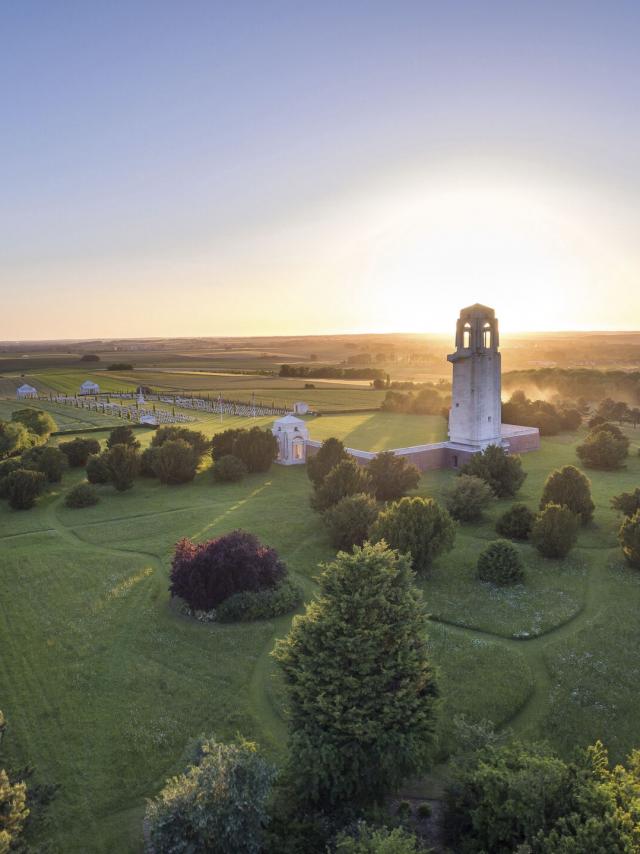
104, 685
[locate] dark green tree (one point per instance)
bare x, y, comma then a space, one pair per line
257, 448
82, 495
78, 451
22, 488
500, 563
417, 526
570, 488
392, 476
330, 453
175, 462
218, 805
502, 471
15, 438
229, 469
350, 520
627, 502
516, 522
555, 531
605, 447
122, 435
98, 469
47, 459
468, 497
347, 478
359, 682
123, 463
629, 538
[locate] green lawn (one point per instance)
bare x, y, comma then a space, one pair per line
104, 685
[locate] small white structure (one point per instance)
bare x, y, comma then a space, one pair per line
25, 391
151, 420
140, 398
89, 387
301, 408
292, 435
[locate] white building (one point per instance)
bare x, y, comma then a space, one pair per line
26, 390
292, 435
476, 415
301, 408
89, 387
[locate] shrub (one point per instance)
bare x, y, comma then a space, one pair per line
350, 520
148, 462
502, 471
175, 461
15, 438
47, 459
606, 447
627, 502
90, 357
122, 435
206, 574
120, 366
514, 798
260, 604
330, 453
217, 805
419, 526
555, 531
13, 812
500, 563
392, 476
37, 421
82, 495
6, 467
78, 451
98, 469
229, 469
360, 687
629, 539
222, 443
377, 840
22, 488
467, 498
347, 478
256, 448
197, 440
570, 488
516, 522
123, 463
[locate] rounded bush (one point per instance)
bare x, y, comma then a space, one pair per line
319, 465
47, 459
78, 451
260, 604
392, 476
97, 469
516, 522
148, 462
229, 469
606, 447
347, 478
82, 495
555, 531
502, 471
467, 498
206, 574
570, 488
500, 563
419, 526
175, 462
22, 487
350, 520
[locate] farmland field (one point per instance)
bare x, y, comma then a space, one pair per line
104, 685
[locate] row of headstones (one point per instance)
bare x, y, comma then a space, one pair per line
162, 416
226, 407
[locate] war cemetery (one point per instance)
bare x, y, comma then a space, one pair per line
157, 541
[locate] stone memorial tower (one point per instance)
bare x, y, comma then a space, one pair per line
475, 417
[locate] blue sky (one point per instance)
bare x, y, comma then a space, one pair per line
235, 168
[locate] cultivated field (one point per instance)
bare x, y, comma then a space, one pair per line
105, 685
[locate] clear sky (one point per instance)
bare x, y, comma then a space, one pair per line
220, 168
